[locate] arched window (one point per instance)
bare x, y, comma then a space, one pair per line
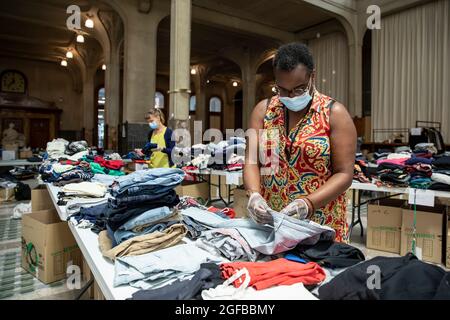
192, 104
101, 99
215, 105
159, 100
101, 96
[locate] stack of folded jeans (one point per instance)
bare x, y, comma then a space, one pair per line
139, 218
161, 268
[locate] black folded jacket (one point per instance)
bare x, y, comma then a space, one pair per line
330, 254
438, 186
442, 162
400, 278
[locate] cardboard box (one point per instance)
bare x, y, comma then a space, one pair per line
9, 155
133, 166
48, 246
384, 224
7, 194
240, 203
429, 232
193, 189
40, 199
25, 154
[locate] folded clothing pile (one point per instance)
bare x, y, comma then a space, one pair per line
360, 171
393, 173
140, 216
419, 169
425, 148
224, 155
441, 174
62, 149
101, 166
161, 268
53, 171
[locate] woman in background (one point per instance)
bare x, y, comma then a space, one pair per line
159, 146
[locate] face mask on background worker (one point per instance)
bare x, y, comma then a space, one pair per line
153, 125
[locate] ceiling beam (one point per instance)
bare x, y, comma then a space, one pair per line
238, 25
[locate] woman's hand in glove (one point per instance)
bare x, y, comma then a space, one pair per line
298, 209
259, 209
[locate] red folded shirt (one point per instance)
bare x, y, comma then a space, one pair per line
110, 164
277, 272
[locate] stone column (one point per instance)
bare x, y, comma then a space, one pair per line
112, 76
89, 104
180, 49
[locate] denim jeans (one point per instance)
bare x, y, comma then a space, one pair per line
160, 268
123, 235
159, 177
284, 235
145, 196
194, 228
119, 216
126, 231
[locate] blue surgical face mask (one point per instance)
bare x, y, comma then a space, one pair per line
153, 125
298, 103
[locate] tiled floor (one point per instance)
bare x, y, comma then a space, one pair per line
15, 283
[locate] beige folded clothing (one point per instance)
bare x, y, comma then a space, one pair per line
141, 244
92, 189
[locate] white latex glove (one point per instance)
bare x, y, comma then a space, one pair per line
259, 209
297, 208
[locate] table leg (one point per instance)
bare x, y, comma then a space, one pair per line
359, 213
352, 224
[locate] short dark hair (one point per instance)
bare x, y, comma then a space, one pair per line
290, 55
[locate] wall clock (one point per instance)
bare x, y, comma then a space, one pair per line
13, 81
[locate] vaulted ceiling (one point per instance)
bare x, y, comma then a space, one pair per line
36, 29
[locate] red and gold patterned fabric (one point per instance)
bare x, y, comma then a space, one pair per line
299, 164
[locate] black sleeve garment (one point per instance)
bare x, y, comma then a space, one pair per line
400, 278
330, 254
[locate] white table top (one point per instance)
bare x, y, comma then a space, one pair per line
101, 268
373, 187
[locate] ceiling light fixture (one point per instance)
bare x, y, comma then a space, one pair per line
80, 38
64, 63
69, 55
235, 84
193, 71
89, 23
274, 90
104, 67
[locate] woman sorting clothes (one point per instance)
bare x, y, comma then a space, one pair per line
159, 146
315, 148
